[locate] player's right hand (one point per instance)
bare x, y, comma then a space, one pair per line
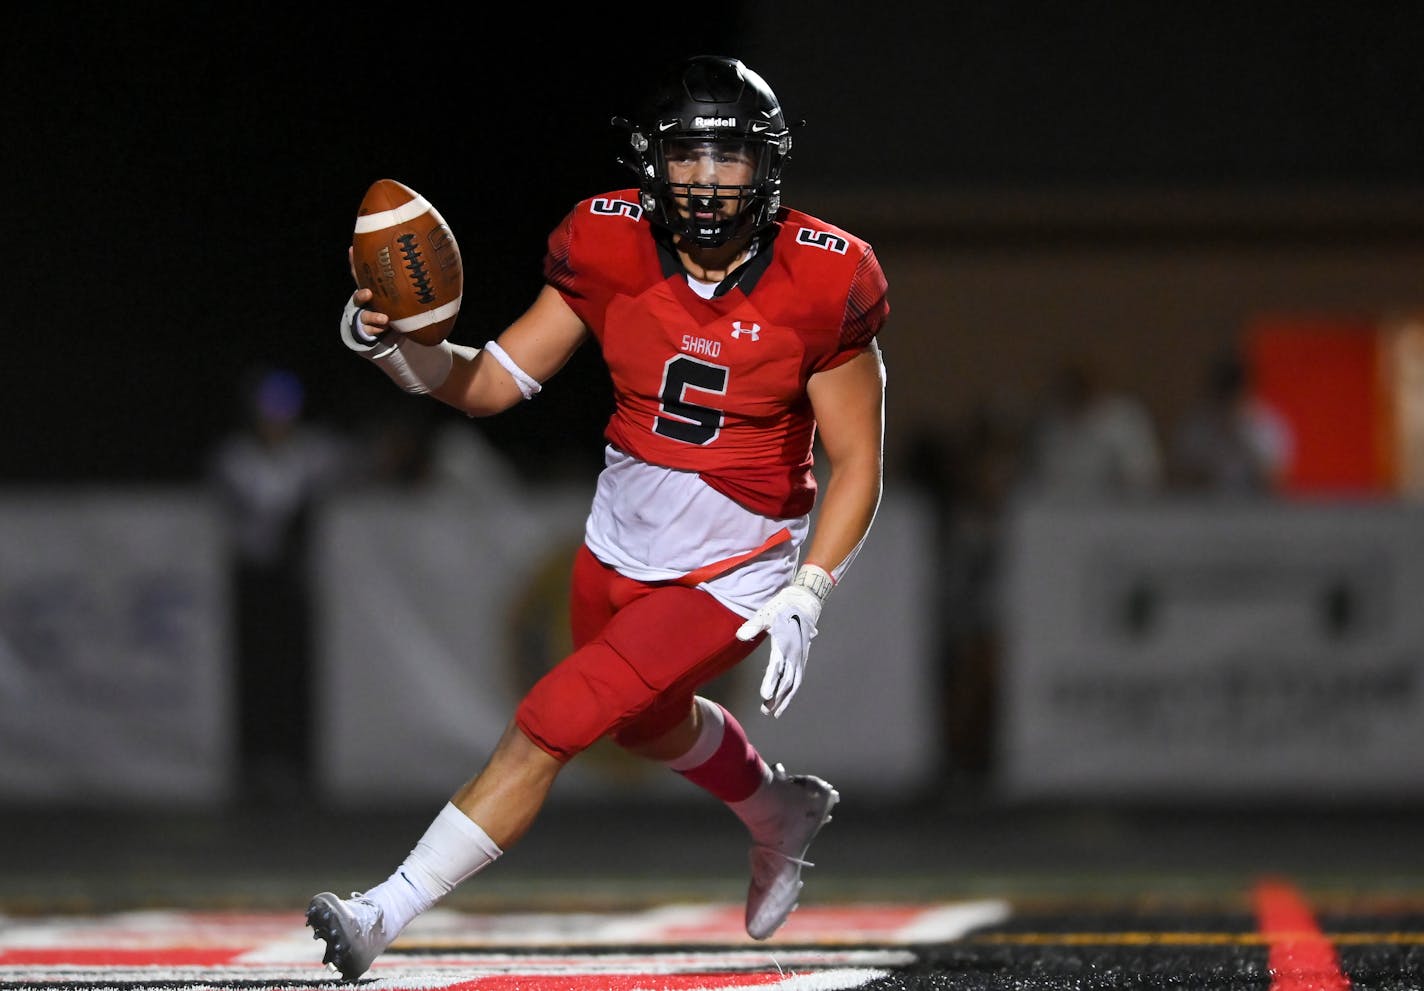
373, 324
360, 327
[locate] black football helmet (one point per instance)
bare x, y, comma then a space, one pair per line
710, 98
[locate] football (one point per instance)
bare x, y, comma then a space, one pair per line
404, 252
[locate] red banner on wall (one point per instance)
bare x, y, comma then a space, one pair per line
1327, 376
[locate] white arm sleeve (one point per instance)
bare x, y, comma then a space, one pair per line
838, 572
416, 368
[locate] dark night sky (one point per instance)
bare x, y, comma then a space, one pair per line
188, 187
182, 184
1094, 93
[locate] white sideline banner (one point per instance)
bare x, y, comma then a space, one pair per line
437, 612
1256, 651
114, 657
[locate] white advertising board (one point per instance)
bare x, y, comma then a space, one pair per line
114, 654
1250, 651
438, 613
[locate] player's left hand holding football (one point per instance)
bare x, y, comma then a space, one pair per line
790, 618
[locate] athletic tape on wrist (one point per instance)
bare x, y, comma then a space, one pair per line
416, 368
353, 334
815, 579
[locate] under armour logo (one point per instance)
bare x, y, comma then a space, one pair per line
738, 330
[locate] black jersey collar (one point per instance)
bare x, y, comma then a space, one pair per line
746, 275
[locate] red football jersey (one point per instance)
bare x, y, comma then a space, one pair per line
718, 386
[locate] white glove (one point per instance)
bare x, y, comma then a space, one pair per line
790, 616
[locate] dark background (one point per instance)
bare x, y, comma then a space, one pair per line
182, 183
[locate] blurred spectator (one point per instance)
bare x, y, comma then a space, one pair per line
1090, 442
462, 456
268, 474
1230, 442
969, 474
397, 444
990, 455
430, 448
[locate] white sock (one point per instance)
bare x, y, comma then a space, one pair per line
709, 738
453, 848
761, 811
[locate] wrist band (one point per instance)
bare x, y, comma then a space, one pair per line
816, 579
528, 387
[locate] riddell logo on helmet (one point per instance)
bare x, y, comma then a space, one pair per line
714, 122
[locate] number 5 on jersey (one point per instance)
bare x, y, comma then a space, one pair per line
682, 420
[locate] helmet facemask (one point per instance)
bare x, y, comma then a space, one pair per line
711, 191
726, 113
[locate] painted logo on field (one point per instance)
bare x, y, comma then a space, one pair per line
676, 947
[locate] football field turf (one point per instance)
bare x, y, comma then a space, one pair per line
641, 899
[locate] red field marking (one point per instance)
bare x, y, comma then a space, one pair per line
1301, 958
625, 982
100, 957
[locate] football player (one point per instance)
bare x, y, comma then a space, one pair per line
736, 331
